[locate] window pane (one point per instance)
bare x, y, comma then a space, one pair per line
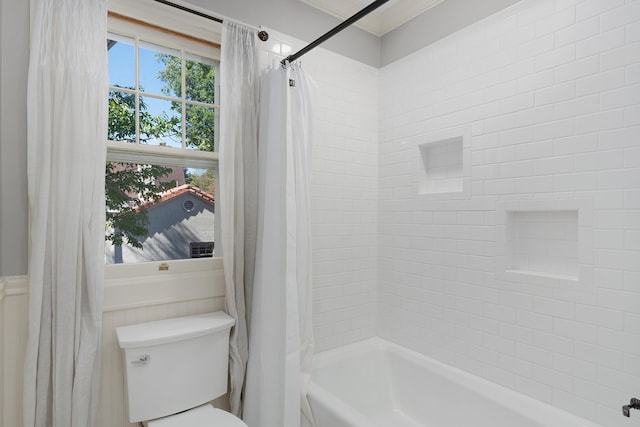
200, 79
200, 123
121, 61
157, 213
203, 179
160, 122
122, 113
160, 70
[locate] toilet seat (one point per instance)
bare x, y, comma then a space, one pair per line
201, 416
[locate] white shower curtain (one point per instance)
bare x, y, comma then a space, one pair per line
280, 333
239, 90
67, 127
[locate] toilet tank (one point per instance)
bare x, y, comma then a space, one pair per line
175, 364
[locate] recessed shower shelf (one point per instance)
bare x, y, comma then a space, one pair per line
444, 164
546, 242
543, 242
544, 275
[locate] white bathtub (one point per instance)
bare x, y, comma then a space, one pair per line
375, 383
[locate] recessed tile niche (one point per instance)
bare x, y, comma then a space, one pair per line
543, 242
442, 162
546, 242
444, 166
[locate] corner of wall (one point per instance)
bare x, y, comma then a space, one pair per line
444, 19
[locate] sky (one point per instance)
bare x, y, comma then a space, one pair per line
122, 73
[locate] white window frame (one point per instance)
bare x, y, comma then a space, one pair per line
139, 284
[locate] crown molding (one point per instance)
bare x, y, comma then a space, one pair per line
381, 21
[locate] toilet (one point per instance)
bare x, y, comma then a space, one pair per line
173, 368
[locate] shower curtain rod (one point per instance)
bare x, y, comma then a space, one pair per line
194, 12
364, 12
262, 35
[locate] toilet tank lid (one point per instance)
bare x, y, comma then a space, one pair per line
172, 330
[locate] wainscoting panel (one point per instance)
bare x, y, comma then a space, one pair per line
186, 299
13, 333
112, 411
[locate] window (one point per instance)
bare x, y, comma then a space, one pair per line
201, 249
160, 96
161, 143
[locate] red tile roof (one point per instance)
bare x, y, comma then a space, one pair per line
177, 191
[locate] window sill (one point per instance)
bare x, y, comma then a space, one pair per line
138, 285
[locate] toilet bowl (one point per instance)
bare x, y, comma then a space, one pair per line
174, 368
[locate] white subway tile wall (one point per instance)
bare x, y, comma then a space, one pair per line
551, 92
344, 199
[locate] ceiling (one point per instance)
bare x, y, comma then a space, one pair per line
388, 17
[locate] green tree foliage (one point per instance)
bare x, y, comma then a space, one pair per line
206, 181
199, 79
128, 186
122, 121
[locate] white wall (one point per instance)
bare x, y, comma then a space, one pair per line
14, 57
344, 200
549, 93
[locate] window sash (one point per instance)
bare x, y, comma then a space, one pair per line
163, 156
192, 47
185, 55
